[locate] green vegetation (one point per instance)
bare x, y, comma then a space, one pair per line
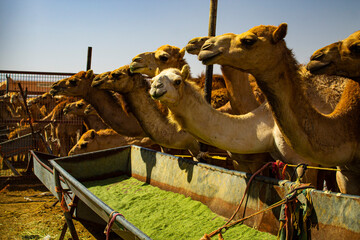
163, 214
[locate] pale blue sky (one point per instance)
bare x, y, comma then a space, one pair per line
48, 35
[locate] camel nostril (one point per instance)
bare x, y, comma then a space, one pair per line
317, 56
206, 46
159, 85
137, 59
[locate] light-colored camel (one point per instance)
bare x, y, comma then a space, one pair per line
107, 138
105, 103
91, 119
327, 139
168, 56
254, 132
242, 101
134, 87
341, 58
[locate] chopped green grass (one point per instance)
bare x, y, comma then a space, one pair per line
163, 214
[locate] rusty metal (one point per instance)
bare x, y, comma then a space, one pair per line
335, 215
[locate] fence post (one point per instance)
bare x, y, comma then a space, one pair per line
209, 68
88, 65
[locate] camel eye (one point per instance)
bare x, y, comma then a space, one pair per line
355, 48
116, 75
248, 41
73, 82
163, 58
177, 82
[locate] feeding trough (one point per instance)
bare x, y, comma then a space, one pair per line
335, 215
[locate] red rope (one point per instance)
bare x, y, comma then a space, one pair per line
62, 203
112, 217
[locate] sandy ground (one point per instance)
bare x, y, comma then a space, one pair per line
28, 211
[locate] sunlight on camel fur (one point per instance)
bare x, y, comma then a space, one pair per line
327, 139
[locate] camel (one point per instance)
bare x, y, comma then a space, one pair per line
341, 58
327, 139
168, 56
106, 104
324, 91
134, 87
91, 119
244, 94
254, 132
107, 138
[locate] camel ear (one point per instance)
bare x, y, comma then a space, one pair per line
157, 71
279, 33
185, 72
89, 73
182, 52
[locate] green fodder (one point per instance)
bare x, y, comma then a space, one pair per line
162, 214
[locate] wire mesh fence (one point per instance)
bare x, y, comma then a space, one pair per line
21, 113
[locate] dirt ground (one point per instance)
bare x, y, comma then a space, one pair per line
27, 211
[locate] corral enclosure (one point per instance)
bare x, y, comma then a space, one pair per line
14, 115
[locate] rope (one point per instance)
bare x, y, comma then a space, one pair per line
289, 198
112, 218
62, 203
288, 165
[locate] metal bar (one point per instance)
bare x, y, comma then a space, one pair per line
209, 68
88, 65
11, 167
38, 73
67, 215
26, 107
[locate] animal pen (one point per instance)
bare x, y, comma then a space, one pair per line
17, 88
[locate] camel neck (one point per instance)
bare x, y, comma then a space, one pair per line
248, 133
113, 113
154, 123
312, 134
242, 98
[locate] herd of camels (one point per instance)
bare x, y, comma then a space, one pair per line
265, 105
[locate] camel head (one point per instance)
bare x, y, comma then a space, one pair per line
90, 110
167, 85
195, 44
77, 108
76, 85
164, 57
340, 58
252, 51
120, 80
82, 145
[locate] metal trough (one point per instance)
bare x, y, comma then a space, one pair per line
336, 215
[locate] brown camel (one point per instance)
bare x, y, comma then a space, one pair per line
91, 119
107, 138
244, 94
254, 132
168, 56
341, 58
324, 91
105, 103
134, 87
327, 139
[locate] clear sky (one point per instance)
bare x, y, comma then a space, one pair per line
49, 35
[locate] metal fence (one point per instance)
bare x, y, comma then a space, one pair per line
33, 84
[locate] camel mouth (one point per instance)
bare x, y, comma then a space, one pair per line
157, 93
208, 57
317, 67
192, 49
135, 67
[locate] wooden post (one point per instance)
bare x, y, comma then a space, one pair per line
88, 65
209, 68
